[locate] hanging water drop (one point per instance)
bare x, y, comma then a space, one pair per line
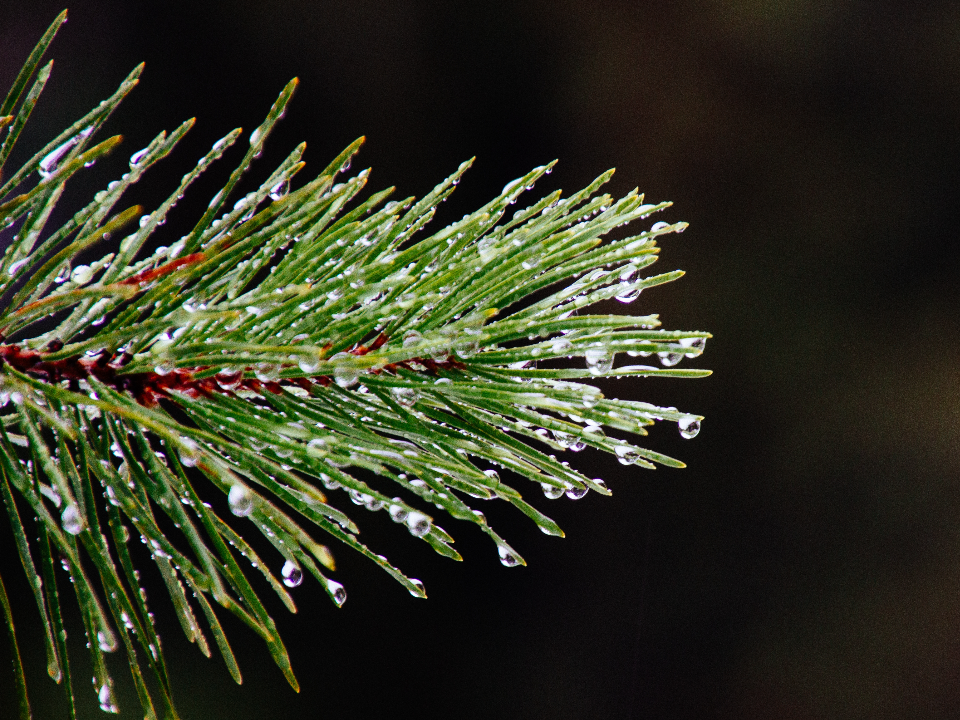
668, 358
137, 158
48, 165
280, 190
292, 574
229, 378
628, 293
106, 640
689, 427
551, 492
240, 500
397, 513
405, 396
626, 454
418, 524
71, 520
507, 558
697, 344
81, 275
599, 361
418, 590
105, 696
266, 372
337, 592
309, 364
576, 493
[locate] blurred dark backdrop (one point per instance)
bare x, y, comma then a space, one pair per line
807, 563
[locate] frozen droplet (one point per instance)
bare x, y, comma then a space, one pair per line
337, 592
229, 378
71, 520
81, 275
576, 493
292, 574
628, 293
105, 696
138, 157
552, 492
598, 360
626, 454
668, 358
48, 165
280, 190
507, 557
418, 524
405, 396
106, 640
689, 427
240, 500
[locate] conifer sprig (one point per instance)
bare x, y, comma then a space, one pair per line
298, 348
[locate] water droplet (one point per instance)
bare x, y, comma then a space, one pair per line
576, 493
240, 500
696, 343
689, 427
189, 452
598, 360
337, 592
48, 165
164, 368
105, 696
405, 396
659, 226
628, 293
81, 275
15, 268
493, 475
280, 190
507, 557
669, 359
343, 375
412, 338
229, 378
487, 249
577, 445
292, 575
628, 273
106, 640
63, 275
626, 454
561, 345
467, 348
418, 524
590, 399
266, 372
138, 157
600, 483
420, 590
397, 513
552, 492
71, 520
309, 364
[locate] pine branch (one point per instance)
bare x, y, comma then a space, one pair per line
300, 338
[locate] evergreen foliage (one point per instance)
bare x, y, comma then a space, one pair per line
297, 348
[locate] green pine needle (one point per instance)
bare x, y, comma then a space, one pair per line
301, 346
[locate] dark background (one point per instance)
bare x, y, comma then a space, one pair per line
807, 563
